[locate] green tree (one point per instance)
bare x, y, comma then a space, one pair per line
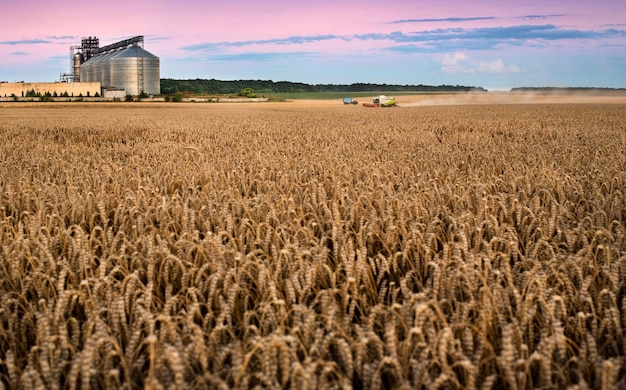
247, 92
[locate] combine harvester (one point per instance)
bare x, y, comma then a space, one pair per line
382, 101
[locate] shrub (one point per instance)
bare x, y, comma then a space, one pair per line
247, 92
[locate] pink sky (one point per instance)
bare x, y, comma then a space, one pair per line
493, 44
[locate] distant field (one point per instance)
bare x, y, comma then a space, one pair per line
459, 98
340, 95
452, 242
585, 95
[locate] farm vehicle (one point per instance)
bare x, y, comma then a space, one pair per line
382, 101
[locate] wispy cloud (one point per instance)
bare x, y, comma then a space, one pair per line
155, 38
535, 17
431, 41
523, 32
258, 57
25, 42
63, 37
452, 20
293, 40
445, 46
19, 53
487, 38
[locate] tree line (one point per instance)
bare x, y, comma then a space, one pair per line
220, 87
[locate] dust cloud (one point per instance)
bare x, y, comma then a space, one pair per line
450, 99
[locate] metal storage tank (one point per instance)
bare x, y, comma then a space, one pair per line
136, 70
152, 74
103, 69
95, 68
85, 68
78, 59
88, 70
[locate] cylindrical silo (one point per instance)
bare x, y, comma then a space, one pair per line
77, 62
136, 70
88, 72
152, 74
97, 67
103, 69
84, 71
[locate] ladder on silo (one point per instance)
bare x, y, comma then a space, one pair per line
140, 71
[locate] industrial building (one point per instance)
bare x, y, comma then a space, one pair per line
113, 71
124, 65
60, 89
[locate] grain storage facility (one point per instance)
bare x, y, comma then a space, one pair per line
123, 66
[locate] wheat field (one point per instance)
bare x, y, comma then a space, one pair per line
266, 246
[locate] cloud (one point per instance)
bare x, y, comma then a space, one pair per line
459, 62
258, 57
523, 32
488, 38
454, 63
496, 66
63, 37
24, 42
155, 38
57, 58
447, 40
19, 53
453, 20
293, 40
535, 17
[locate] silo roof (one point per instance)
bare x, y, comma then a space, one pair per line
134, 51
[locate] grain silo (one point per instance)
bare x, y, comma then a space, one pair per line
89, 71
77, 60
135, 70
124, 65
103, 69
